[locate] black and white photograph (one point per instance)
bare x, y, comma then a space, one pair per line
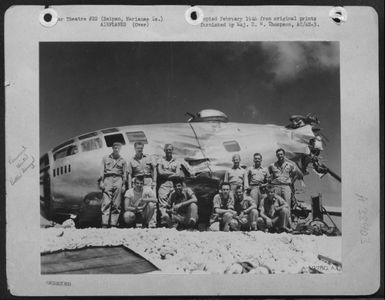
184, 150
190, 157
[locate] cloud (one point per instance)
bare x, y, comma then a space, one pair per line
288, 60
251, 112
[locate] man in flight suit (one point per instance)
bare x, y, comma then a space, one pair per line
112, 182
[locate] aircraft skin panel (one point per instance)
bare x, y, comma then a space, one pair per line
70, 188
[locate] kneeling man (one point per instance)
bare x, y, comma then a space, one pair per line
246, 209
139, 204
274, 213
223, 209
182, 205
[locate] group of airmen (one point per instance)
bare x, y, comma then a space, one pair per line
255, 198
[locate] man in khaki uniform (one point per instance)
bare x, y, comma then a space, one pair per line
168, 167
112, 182
283, 175
247, 210
141, 165
274, 213
236, 175
140, 203
257, 178
223, 209
182, 205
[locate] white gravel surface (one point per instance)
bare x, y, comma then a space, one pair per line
175, 251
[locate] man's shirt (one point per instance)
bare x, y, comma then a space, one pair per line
175, 198
140, 166
172, 165
244, 203
283, 174
111, 166
257, 176
269, 206
235, 176
220, 202
134, 198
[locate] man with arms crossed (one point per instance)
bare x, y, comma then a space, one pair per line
112, 182
182, 205
140, 203
223, 208
274, 213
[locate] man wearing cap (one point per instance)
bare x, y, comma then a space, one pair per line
223, 208
274, 212
257, 178
141, 165
139, 204
112, 182
168, 167
236, 175
283, 175
247, 210
182, 205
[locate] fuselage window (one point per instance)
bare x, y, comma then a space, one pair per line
70, 150
113, 138
232, 146
91, 145
62, 145
136, 136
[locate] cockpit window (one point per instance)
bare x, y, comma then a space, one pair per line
92, 144
232, 146
113, 138
136, 136
68, 151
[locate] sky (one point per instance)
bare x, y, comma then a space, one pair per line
94, 85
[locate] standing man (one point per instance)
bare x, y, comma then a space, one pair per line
223, 208
283, 175
141, 165
247, 210
182, 205
167, 168
236, 175
112, 182
140, 203
257, 177
274, 213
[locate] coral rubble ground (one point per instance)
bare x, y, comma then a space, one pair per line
175, 251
